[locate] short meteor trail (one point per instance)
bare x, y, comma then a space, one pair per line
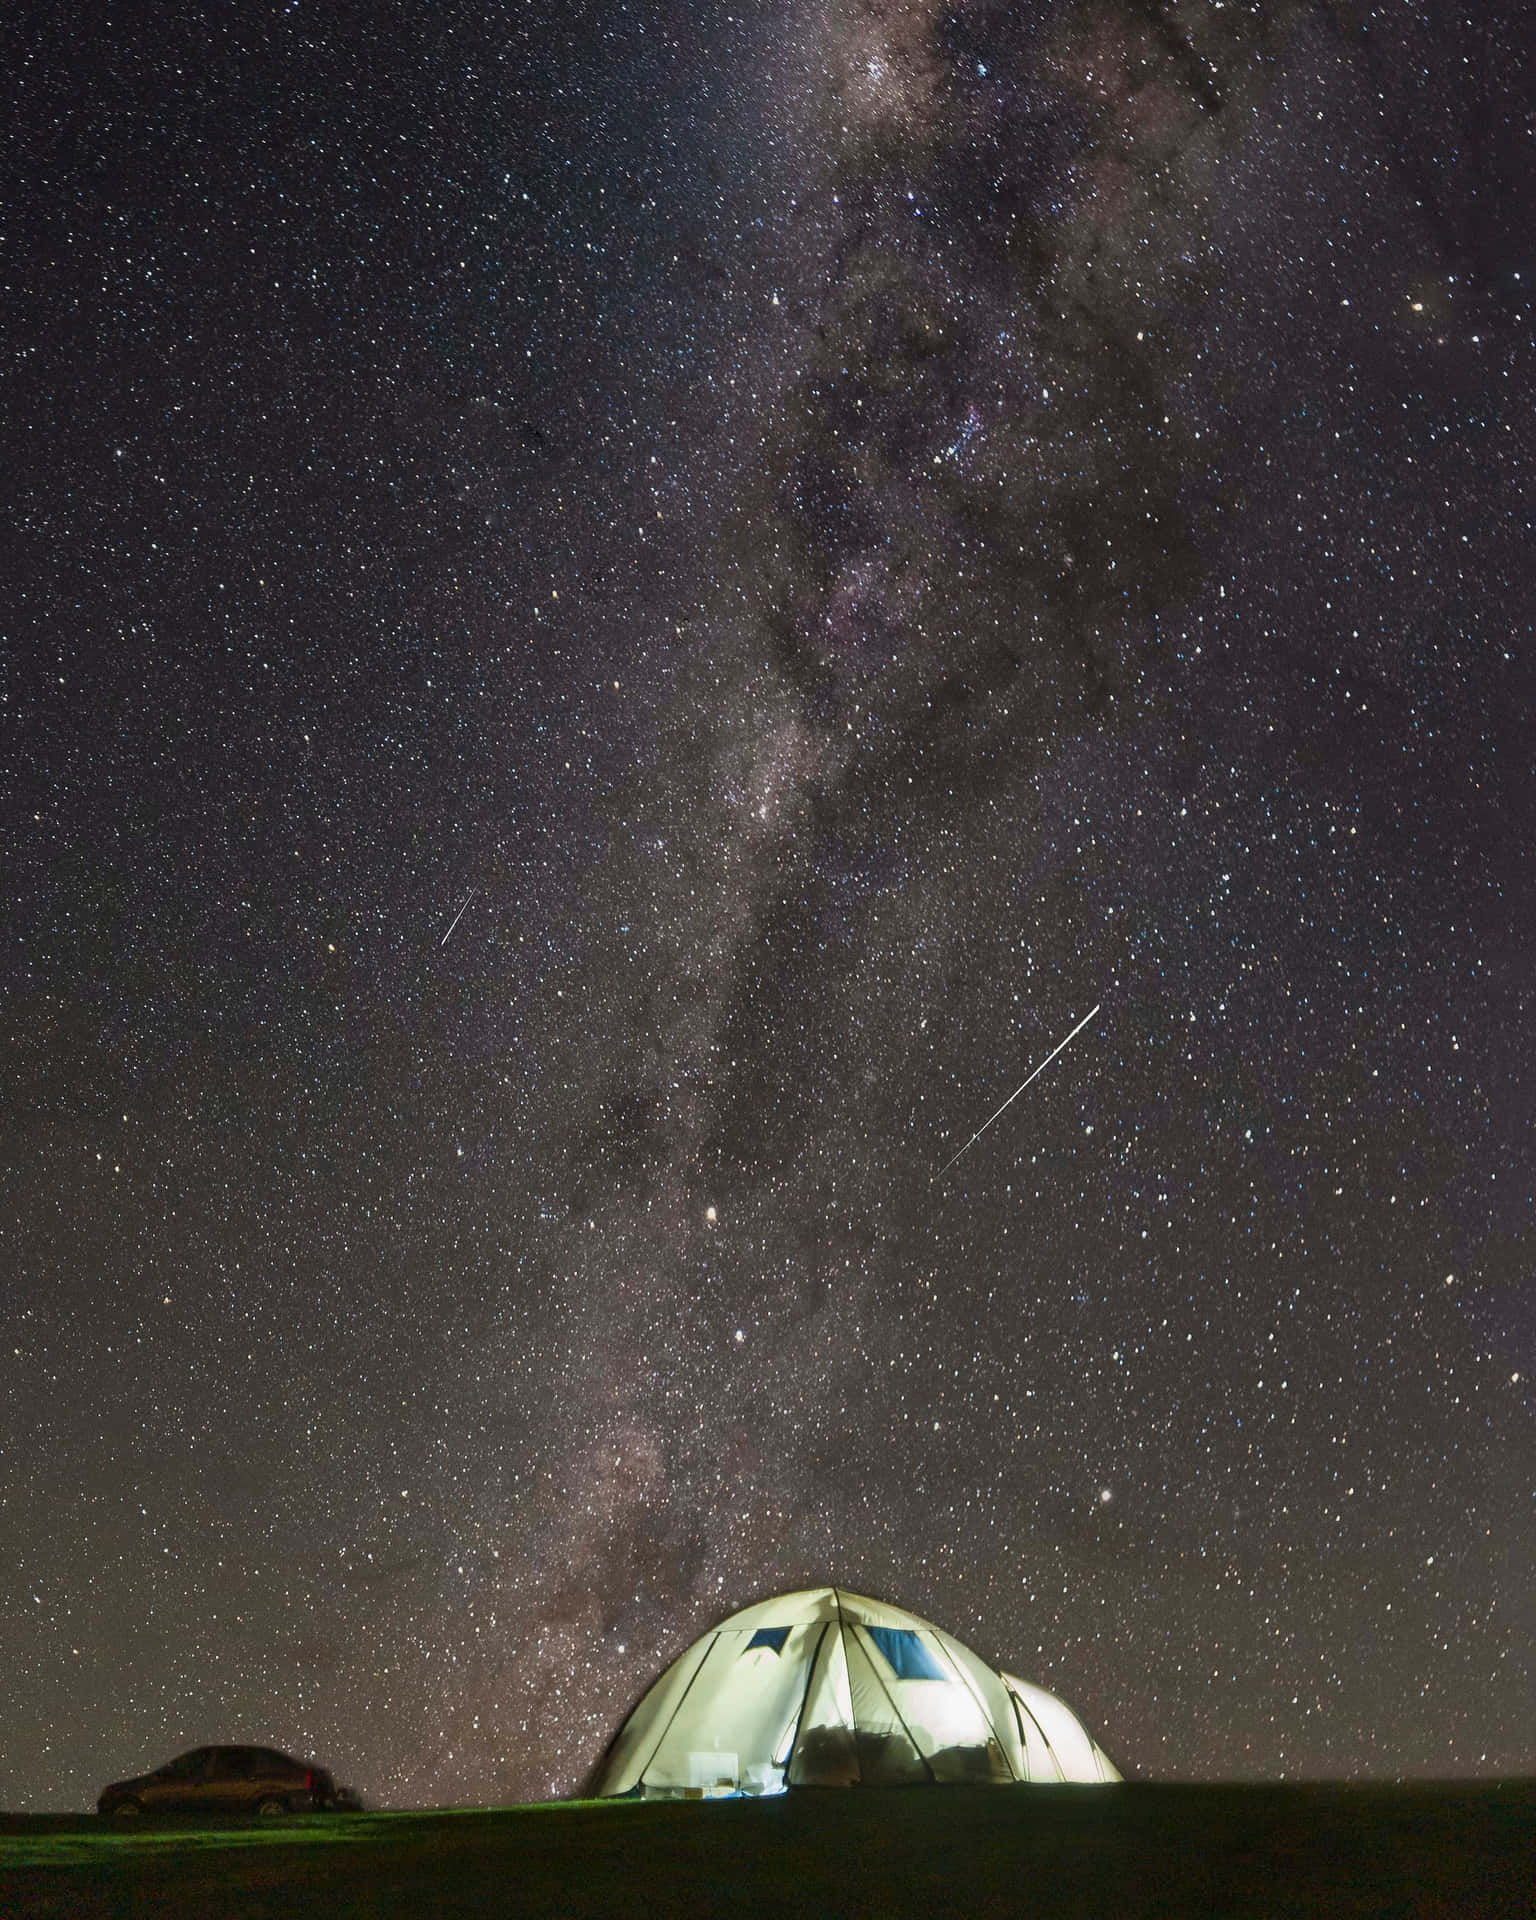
1020, 1088
460, 915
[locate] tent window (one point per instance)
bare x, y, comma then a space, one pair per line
768, 1637
905, 1654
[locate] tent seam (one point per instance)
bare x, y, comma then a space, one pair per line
842, 1634
1020, 1710
667, 1728
805, 1698
933, 1778
981, 1706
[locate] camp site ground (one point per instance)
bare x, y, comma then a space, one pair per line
1131, 1852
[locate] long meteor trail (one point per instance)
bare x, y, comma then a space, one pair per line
1019, 1089
460, 915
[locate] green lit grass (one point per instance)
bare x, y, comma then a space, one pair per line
53, 1840
1137, 1852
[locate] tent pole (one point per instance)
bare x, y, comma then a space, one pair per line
933, 1778
958, 1668
1019, 1711
805, 1700
667, 1724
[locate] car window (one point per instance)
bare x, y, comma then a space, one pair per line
233, 1763
279, 1763
186, 1766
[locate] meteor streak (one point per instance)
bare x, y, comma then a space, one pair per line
460, 915
1020, 1088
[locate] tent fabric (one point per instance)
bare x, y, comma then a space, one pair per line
1057, 1744
828, 1688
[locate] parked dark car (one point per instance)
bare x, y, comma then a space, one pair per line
228, 1780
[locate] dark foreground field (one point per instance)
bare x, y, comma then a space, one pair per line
1221, 1853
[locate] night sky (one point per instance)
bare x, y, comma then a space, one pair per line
616, 618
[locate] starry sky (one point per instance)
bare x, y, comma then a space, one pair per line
616, 617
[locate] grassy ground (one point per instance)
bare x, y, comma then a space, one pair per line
1126, 1853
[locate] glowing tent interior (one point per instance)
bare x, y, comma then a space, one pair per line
1057, 1746
827, 1688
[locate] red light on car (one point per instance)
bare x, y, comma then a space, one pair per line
309, 1783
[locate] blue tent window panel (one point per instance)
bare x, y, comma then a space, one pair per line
905, 1654
768, 1637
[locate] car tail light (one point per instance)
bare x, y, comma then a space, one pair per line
309, 1783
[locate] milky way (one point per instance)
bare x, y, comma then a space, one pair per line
818, 549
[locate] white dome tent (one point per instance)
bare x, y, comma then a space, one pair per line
827, 1688
1057, 1746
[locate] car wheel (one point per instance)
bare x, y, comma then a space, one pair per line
271, 1805
127, 1809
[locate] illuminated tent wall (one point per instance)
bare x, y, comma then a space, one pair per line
826, 1688
1057, 1746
